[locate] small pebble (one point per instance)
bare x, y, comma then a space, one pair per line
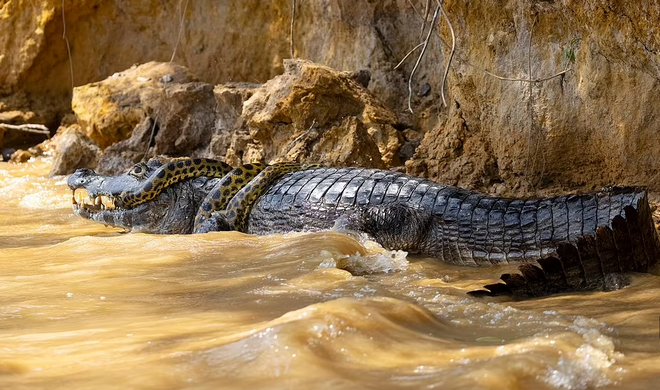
424, 90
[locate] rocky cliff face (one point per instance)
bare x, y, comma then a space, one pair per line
541, 94
309, 113
591, 126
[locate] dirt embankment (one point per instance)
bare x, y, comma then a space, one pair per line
540, 94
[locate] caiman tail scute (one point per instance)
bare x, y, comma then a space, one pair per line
598, 261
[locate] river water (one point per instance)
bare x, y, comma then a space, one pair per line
84, 306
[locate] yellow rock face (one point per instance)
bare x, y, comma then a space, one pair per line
315, 113
109, 110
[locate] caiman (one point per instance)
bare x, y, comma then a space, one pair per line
564, 243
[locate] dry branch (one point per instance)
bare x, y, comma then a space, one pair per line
68, 47
451, 55
293, 17
421, 55
181, 24
408, 55
427, 9
503, 78
416, 11
28, 128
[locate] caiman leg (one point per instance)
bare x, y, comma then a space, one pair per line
222, 193
173, 172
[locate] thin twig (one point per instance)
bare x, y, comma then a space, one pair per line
28, 128
304, 133
293, 17
427, 9
530, 104
468, 63
151, 137
68, 47
408, 55
451, 55
415, 9
529, 80
529, 62
421, 55
181, 24
533, 139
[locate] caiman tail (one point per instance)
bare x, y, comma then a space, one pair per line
600, 257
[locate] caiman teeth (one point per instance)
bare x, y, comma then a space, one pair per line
107, 202
79, 195
86, 201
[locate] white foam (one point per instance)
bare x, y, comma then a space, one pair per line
377, 260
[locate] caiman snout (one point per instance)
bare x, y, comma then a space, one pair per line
80, 178
88, 192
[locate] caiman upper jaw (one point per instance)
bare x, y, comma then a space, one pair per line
80, 178
87, 194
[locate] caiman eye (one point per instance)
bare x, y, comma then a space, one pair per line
138, 171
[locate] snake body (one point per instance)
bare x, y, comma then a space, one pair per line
168, 174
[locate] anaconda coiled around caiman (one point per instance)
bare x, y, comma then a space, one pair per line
580, 242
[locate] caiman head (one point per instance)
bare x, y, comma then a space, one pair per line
134, 202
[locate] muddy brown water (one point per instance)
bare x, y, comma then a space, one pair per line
84, 306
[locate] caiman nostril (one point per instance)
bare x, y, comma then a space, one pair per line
79, 178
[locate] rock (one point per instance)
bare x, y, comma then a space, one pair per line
18, 139
311, 113
20, 156
16, 117
362, 77
411, 142
72, 150
23, 155
347, 144
233, 136
105, 38
109, 110
187, 119
12, 138
589, 127
299, 116
119, 157
446, 151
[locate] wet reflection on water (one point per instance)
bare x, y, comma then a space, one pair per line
84, 306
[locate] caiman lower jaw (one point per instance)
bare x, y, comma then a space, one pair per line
92, 204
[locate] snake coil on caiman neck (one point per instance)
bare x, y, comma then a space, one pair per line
173, 172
